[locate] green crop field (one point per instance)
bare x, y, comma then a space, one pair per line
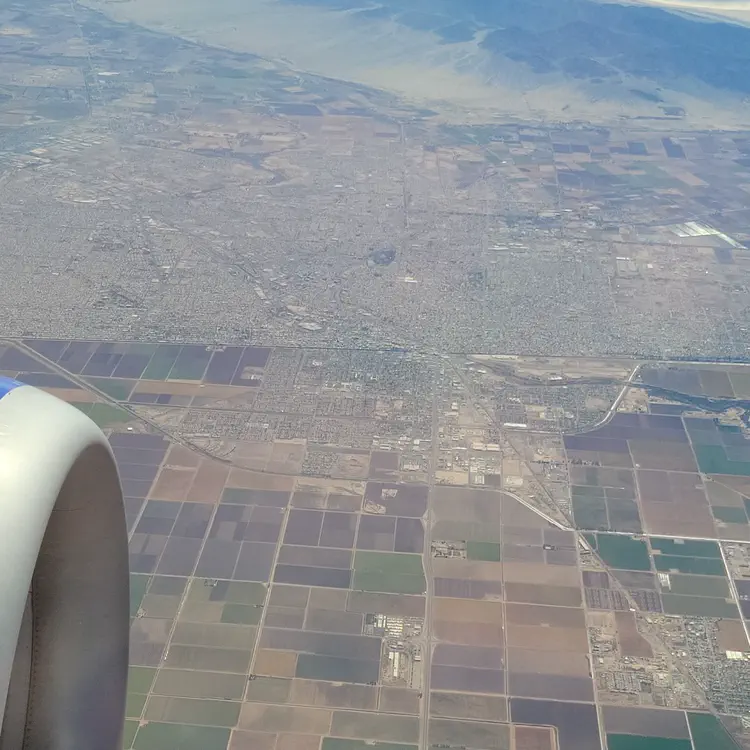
198, 712
691, 585
241, 614
638, 742
138, 587
389, 572
161, 362
156, 736
699, 606
388, 562
712, 459
709, 733
486, 551
105, 415
729, 514
389, 583
740, 386
134, 705
118, 389
590, 513
140, 679
197, 684
189, 369
337, 743
622, 552
698, 565
685, 547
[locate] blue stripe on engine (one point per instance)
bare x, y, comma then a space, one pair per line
7, 385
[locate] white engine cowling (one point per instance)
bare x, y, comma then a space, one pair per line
64, 590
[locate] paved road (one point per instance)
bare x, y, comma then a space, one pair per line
427, 562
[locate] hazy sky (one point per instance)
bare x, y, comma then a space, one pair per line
734, 10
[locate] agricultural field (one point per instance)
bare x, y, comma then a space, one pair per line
300, 579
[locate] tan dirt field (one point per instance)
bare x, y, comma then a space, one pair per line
469, 634
466, 706
398, 700
275, 663
254, 480
172, 484
548, 639
183, 457
561, 596
294, 719
209, 482
632, 643
555, 575
331, 695
537, 614
252, 741
732, 636
468, 610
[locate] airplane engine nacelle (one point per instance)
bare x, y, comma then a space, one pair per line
64, 591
